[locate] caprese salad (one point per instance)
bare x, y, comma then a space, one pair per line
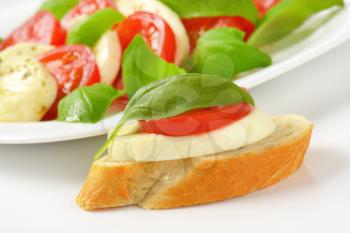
72, 60
216, 116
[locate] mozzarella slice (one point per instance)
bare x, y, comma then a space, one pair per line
108, 54
24, 50
133, 146
27, 90
128, 7
72, 22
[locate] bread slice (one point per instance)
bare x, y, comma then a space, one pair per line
175, 183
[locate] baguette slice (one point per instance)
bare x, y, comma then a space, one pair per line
175, 183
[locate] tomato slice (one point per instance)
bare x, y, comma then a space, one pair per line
156, 32
197, 26
72, 66
41, 28
122, 101
198, 121
86, 7
265, 5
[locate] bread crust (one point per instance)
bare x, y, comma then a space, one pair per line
169, 184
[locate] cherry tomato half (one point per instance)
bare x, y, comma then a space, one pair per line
265, 5
155, 31
41, 28
197, 26
72, 66
198, 121
86, 7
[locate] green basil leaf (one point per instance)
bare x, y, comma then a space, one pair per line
286, 17
58, 8
181, 93
210, 8
178, 94
141, 66
224, 53
87, 104
90, 29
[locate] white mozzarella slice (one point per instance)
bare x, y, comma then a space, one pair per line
130, 145
27, 90
108, 54
128, 7
24, 49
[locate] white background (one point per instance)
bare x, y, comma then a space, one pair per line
38, 183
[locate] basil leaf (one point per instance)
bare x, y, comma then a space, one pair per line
87, 104
286, 17
90, 29
141, 66
178, 94
223, 52
58, 8
209, 8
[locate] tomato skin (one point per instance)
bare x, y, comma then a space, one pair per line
155, 31
197, 122
157, 34
122, 101
265, 5
118, 83
41, 28
72, 66
195, 27
86, 7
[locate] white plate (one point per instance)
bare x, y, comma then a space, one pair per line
334, 32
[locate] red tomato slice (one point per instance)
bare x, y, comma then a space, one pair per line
41, 28
265, 5
72, 66
156, 32
197, 26
122, 101
86, 7
118, 83
198, 121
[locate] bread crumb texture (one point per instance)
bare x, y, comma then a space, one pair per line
176, 183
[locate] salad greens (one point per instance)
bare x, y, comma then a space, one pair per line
87, 104
208, 8
287, 16
58, 7
141, 66
90, 29
223, 52
164, 98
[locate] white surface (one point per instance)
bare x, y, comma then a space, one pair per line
335, 32
39, 182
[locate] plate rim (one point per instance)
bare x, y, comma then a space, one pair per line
101, 128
